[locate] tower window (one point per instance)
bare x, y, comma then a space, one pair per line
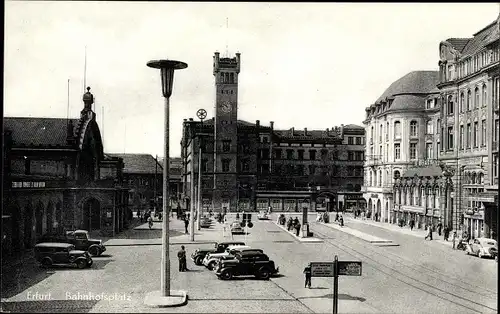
226, 146
225, 165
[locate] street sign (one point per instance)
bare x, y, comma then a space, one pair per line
322, 269
349, 268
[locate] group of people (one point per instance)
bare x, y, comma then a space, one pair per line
323, 217
293, 224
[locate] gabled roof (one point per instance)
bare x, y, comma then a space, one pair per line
38, 131
139, 163
353, 126
479, 40
416, 82
458, 43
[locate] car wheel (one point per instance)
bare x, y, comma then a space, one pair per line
46, 262
211, 265
94, 251
81, 264
227, 275
198, 261
264, 274
90, 263
480, 254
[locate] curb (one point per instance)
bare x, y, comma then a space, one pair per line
302, 240
377, 241
156, 300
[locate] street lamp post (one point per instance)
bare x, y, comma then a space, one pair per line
201, 114
167, 68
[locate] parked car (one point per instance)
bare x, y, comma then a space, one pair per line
237, 228
211, 260
245, 264
79, 238
199, 254
262, 215
205, 222
52, 253
483, 247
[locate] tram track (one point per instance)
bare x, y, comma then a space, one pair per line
437, 284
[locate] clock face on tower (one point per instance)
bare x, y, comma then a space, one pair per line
226, 106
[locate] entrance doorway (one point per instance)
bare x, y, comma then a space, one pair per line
91, 215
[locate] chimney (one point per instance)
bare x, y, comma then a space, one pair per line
257, 123
185, 120
190, 119
305, 131
272, 124
292, 131
327, 131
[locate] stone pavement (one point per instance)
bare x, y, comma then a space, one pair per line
419, 233
362, 235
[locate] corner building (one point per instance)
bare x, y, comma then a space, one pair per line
250, 166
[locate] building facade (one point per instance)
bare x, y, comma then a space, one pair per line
437, 154
397, 125
250, 166
469, 91
59, 178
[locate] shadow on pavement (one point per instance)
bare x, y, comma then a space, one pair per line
19, 277
342, 296
50, 306
319, 288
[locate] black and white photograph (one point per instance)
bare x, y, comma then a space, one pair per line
250, 157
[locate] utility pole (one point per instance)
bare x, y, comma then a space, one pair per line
201, 114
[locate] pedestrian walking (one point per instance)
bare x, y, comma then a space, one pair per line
186, 224
412, 224
337, 217
446, 233
429, 233
439, 227
307, 272
181, 255
297, 227
454, 238
341, 221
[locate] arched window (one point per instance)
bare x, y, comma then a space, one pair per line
413, 128
473, 179
387, 132
462, 100
397, 174
371, 134
381, 132
469, 100
476, 96
397, 129
485, 95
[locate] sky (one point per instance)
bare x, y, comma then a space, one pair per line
303, 65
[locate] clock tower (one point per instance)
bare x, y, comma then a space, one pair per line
226, 72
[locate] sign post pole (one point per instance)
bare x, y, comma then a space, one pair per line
335, 285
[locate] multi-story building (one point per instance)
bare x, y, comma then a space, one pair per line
258, 166
395, 126
446, 167
469, 91
58, 177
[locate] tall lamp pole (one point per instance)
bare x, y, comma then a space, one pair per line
167, 68
201, 114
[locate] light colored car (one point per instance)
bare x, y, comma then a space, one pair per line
262, 215
237, 228
483, 247
210, 256
205, 222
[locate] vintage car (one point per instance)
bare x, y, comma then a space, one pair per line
482, 247
205, 222
79, 238
199, 254
245, 264
237, 228
263, 215
211, 260
49, 254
